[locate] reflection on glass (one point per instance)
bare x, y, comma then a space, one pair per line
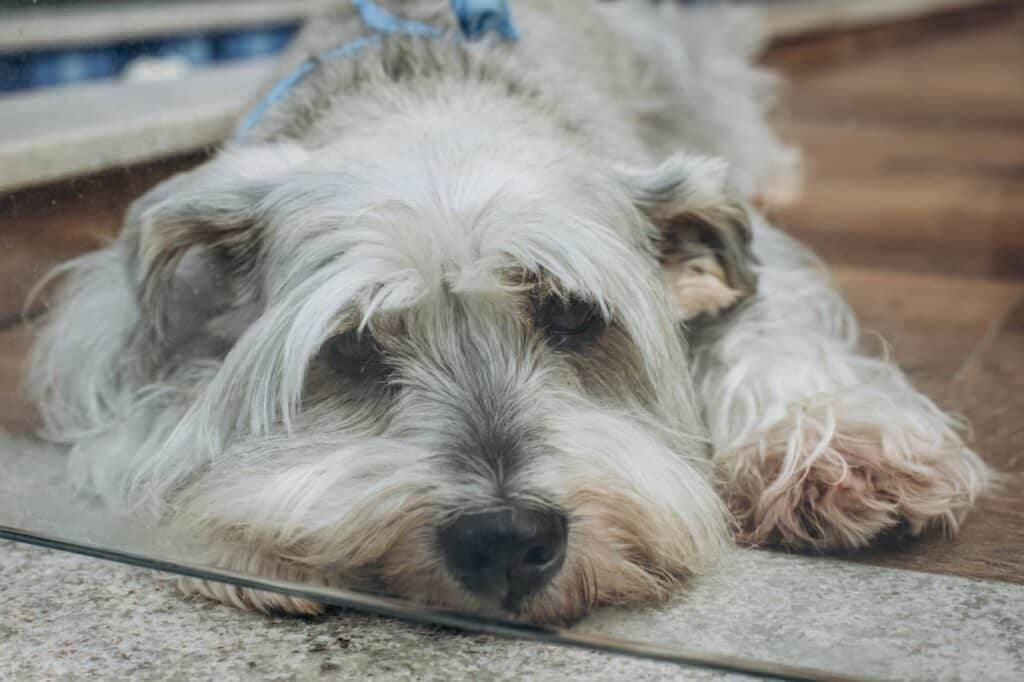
38, 506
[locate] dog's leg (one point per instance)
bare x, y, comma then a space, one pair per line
817, 445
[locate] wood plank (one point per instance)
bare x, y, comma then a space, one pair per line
970, 77
851, 148
812, 50
961, 225
798, 18
995, 43
984, 97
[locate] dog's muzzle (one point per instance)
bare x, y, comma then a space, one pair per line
506, 555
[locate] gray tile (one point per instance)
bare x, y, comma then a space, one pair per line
844, 617
64, 616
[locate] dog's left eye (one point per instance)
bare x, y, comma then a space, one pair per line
355, 353
571, 319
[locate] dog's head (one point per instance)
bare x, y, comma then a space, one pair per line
444, 365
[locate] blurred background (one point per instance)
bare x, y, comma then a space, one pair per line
55, 42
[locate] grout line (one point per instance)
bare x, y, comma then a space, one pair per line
986, 340
8, 324
799, 19
23, 319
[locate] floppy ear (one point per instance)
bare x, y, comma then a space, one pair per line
704, 235
192, 243
177, 280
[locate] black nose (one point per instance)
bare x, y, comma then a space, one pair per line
507, 554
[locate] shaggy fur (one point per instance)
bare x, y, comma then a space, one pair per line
436, 201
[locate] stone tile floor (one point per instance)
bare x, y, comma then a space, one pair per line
70, 617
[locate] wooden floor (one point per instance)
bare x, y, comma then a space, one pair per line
915, 156
915, 195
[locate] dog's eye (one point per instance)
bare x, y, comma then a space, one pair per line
354, 353
571, 319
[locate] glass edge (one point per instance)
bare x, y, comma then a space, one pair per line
410, 611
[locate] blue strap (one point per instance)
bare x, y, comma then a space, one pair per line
476, 18
479, 17
386, 23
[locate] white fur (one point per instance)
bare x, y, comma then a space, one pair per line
185, 365
791, 403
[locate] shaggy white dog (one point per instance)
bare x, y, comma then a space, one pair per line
444, 321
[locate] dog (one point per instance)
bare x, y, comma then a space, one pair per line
490, 324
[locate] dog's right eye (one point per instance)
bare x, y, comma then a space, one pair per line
354, 353
571, 322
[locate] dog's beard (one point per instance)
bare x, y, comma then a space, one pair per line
364, 513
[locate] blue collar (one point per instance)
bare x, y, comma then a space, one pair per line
476, 18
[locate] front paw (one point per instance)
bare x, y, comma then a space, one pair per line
810, 487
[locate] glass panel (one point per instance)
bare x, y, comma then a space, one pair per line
432, 371
37, 507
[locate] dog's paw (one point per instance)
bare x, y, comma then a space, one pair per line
249, 599
840, 488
